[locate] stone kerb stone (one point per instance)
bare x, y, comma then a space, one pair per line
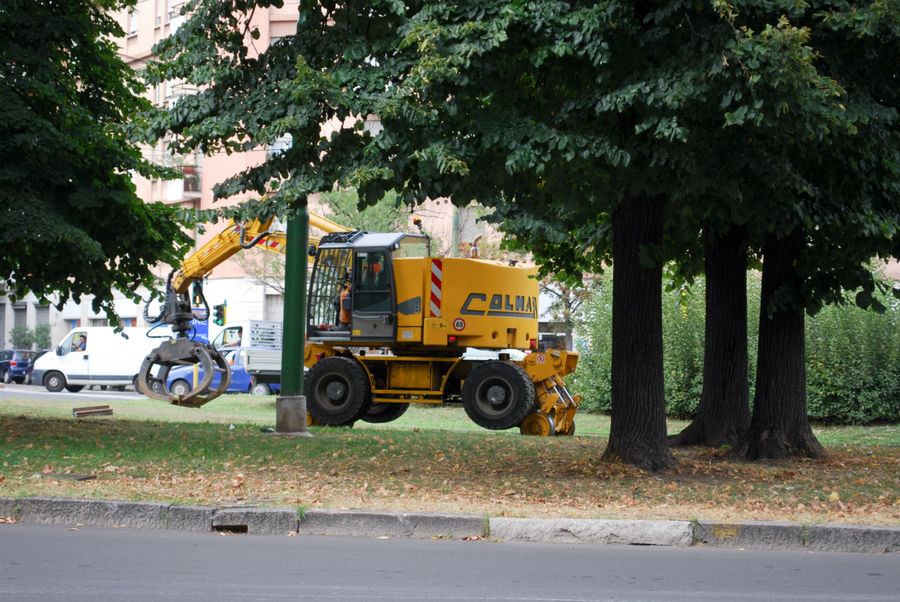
853, 538
639, 532
391, 524
762, 535
101, 513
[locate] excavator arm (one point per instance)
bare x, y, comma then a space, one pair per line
178, 313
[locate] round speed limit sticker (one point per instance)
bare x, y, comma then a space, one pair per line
459, 324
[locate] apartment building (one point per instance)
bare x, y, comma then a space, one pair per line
239, 282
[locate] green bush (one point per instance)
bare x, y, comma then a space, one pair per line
22, 337
853, 365
853, 356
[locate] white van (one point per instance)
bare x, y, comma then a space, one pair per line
97, 356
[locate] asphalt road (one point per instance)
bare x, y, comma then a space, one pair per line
56, 563
89, 396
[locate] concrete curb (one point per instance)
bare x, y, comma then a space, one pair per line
391, 524
636, 532
290, 521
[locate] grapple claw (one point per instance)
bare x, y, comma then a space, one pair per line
179, 352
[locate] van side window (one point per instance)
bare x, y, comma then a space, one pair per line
79, 341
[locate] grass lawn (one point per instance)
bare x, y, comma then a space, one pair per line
431, 459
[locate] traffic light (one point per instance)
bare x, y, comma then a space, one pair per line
219, 313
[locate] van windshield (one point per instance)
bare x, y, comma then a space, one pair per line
229, 337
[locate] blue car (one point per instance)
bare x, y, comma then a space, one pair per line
14, 363
181, 378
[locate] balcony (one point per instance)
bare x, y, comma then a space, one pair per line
188, 188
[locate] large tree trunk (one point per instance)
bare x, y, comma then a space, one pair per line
724, 411
638, 428
779, 426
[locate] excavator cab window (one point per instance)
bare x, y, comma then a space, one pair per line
329, 286
372, 316
372, 282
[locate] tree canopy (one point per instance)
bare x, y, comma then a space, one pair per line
568, 118
70, 221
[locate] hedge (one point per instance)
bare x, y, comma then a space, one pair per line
853, 356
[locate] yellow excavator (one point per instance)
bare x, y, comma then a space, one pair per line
388, 325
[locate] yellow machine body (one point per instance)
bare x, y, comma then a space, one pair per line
420, 329
467, 303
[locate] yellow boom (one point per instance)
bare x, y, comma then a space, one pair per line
236, 237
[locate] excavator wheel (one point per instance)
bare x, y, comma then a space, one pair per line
538, 424
498, 395
569, 432
337, 391
384, 412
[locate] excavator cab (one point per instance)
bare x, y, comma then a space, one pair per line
353, 292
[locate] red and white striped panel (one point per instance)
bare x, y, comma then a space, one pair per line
273, 244
437, 267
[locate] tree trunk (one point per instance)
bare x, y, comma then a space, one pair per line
724, 411
638, 427
779, 426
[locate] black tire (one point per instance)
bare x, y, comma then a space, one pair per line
384, 412
6, 377
497, 395
180, 388
74, 388
337, 391
54, 381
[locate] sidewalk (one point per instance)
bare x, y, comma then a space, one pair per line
291, 521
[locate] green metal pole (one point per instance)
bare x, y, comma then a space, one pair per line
294, 304
290, 408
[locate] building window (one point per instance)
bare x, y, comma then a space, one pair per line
20, 316
98, 322
133, 22
42, 314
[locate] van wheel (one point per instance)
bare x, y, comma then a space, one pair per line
54, 381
